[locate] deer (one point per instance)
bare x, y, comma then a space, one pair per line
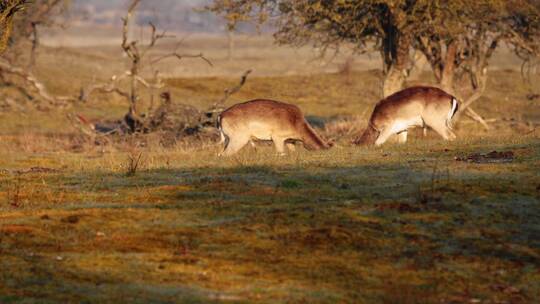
267, 120
418, 106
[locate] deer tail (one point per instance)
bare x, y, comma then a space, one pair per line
453, 110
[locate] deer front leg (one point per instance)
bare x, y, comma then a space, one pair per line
279, 143
383, 136
402, 137
291, 146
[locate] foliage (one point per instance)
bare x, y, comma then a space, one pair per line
460, 40
8, 8
232, 13
20, 37
395, 27
25, 38
407, 223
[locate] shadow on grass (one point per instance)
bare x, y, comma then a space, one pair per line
378, 233
47, 279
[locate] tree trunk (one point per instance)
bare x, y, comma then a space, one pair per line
420, 62
134, 93
230, 40
397, 67
447, 74
393, 81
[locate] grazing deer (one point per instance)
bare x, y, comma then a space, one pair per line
263, 119
417, 106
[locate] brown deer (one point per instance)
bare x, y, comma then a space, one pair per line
263, 119
418, 106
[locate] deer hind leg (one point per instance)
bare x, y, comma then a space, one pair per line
402, 137
234, 145
223, 138
252, 144
225, 141
383, 136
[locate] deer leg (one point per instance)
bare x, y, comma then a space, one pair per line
222, 137
451, 134
443, 131
383, 136
252, 143
279, 143
402, 137
234, 145
290, 146
225, 140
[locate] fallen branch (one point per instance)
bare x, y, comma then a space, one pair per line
475, 116
37, 85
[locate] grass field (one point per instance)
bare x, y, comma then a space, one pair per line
396, 224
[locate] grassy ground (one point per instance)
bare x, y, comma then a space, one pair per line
396, 224
402, 224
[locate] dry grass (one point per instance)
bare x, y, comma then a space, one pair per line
350, 224
397, 224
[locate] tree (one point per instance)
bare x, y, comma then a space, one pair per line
8, 8
386, 26
462, 36
25, 39
233, 14
458, 37
138, 54
18, 60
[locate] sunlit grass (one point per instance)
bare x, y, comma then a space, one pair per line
392, 224
399, 224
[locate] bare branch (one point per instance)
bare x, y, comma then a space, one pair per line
129, 47
105, 88
30, 79
520, 42
231, 91
475, 116
182, 56
157, 85
80, 123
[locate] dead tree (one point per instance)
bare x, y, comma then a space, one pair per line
137, 54
172, 120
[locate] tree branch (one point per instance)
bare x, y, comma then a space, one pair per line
32, 80
231, 91
182, 56
475, 116
104, 88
